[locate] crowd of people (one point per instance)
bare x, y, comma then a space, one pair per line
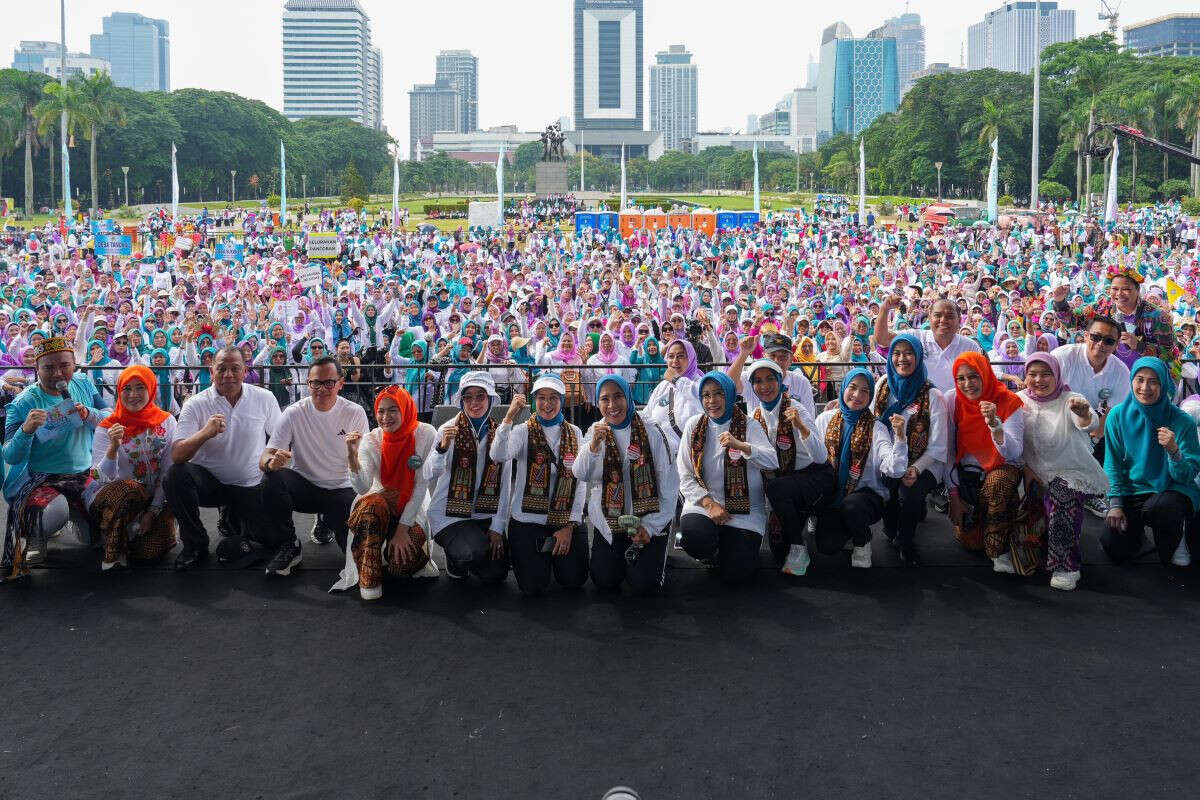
802, 381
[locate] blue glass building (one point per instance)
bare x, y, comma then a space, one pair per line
1173, 35
858, 80
139, 50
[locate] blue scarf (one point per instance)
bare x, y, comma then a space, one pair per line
726, 384
623, 385
163, 376
904, 391
849, 421
553, 422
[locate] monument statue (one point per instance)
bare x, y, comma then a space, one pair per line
552, 143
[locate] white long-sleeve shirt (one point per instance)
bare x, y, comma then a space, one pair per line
152, 448
512, 445
886, 458
367, 480
589, 467
810, 449
1010, 449
797, 385
934, 457
438, 468
762, 456
683, 397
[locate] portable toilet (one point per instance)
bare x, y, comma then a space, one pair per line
704, 221
680, 219
748, 219
727, 220
655, 219
630, 221
606, 220
584, 220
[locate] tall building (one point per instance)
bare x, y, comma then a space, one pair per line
1004, 39
909, 34
46, 58
936, 68
432, 108
858, 80
139, 50
752, 123
1172, 35
330, 67
608, 65
460, 69
673, 96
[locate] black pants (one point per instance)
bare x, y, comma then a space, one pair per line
851, 522
609, 566
286, 491
796, 495
1168, 513
533, 568
736, 549
468, 548
905, 507
190, 488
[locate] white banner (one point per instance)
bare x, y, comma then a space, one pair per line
309, 277
323, 244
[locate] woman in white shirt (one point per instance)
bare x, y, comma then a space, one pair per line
131, 454
676, 399
469, 491
862, 454
546, 533
721, 462
624, 456
1058, 457
387, 525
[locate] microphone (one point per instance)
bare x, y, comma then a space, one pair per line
61, 386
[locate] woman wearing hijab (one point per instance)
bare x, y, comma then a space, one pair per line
624, 456
906, 392
469, 491
387, 523
651, 367
985, 441
806, 355
567, 360
676, 399
545, 533
721, 479
1058, 459
601, 363
1152, 458
803, 484
131, 454
420, 381
862, 454
509, 380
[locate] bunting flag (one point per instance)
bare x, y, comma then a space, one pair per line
624, 201
500, 187
282, 184
1110, 202
174, 185
993, 181
862, 183
396, 191
757, 205
1175, 291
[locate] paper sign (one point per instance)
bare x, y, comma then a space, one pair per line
358, 287
113, 244
231, 252
59, 420
324, 244
162, 280
309, 277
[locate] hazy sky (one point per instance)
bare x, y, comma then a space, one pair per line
749, 52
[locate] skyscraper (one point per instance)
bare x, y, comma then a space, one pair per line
673, 96
909, 34
608, 65
1172, 35
139, 50
330, 67
858, 81
432, 108
46, 58
1004, 40
460, 69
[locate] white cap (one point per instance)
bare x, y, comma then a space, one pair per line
765, 363
481, 378
549, 380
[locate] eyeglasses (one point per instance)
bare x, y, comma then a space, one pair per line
325, 384
1107, 341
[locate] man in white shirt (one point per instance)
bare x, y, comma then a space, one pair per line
311, 438
942, 342
217, 443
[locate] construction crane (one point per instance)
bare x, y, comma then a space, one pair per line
1101, 151
1110, 10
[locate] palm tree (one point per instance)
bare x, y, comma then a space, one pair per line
1092, 76
60, 100
24, 91
1185, 105
1137, 111
99, 96
10, 129
1072, 125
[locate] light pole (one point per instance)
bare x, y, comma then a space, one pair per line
797, 165
938, 164
304, 186
125, 170
810, 183
1037, 96
232, 187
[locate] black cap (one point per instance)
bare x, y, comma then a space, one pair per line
776, 341
238, 552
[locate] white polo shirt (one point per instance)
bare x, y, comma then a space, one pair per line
231, 456
938, 362
1079, 375
317, 440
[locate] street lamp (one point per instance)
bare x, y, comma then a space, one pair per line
125, 170
938, 164
304, 186
232, 187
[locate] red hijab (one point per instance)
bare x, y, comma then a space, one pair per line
136, 421
974, 436
398, 447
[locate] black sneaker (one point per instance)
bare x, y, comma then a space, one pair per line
458, 574
288, 556
189, 558
224, 528
909, 555
238, 552
320, 533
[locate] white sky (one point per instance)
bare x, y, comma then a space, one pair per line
749, 52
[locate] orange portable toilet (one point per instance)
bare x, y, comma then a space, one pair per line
704, 221
655, 219
631, 221
680, 220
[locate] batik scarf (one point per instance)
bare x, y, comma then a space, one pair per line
537, 498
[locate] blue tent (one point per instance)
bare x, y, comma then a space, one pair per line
584, 220
747, 219
727, 219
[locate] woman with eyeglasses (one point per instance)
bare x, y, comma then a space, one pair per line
635, 486
567, 362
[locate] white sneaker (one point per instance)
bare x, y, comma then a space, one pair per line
810, 527
797, 560
373, 593
1183, 556
430, 570
861, 557
105, 566
1063, 580
1003, 564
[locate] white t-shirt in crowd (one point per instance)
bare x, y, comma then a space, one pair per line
317, 440
232, 455
1079, 375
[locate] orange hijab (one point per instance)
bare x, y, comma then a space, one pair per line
395, 472
136, 421
974, 436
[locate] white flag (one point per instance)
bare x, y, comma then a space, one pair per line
396, 191
623, 198
1110, 202
282, 184
500, 187
174, 185
757, 206
66, 178
993, 181
862, 182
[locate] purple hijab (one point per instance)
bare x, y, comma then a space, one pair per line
1051, 362
691, 370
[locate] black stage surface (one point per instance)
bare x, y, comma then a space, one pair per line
947, 682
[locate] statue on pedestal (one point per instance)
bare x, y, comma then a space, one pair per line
552, 143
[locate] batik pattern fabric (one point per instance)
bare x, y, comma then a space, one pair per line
860, 446
998, 505
25, 510
918, 420
115, 507
372, 523
537, 497
737, 483
641, 475
1064, 524
462, 500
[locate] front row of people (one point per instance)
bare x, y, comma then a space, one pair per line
494, 494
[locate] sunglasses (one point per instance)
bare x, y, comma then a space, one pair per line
1107, 341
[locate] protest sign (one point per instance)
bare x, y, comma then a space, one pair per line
113, 244
323, 245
